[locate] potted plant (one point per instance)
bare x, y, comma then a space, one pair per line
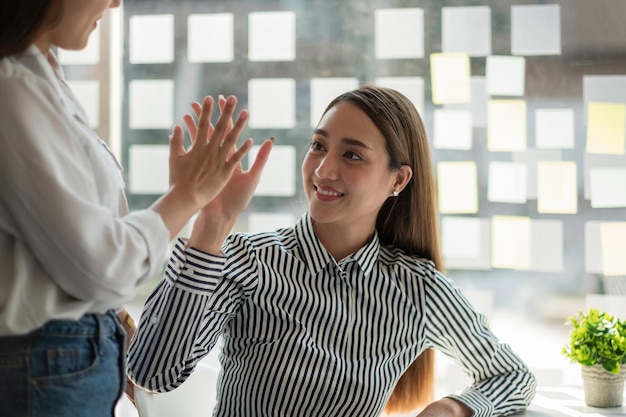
598, 343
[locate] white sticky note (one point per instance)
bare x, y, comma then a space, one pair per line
613, 244
90, 55
478, 103
210, 37
546, 243
412, 87
603, 89
151, 39
466, 29
149, 169
399, 33
272, 36
593, 250
554, 128
608, 187
450, 78
505, 75
324, 90
88, 94
531, 158
510, 242
536, 29
151, 104
557, 192
452, 129
593, 160
279, 174
264, 222
506, 125
272, 103
507, 182
480, 240
460, 237
457, 187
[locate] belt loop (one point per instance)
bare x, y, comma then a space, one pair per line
101, 334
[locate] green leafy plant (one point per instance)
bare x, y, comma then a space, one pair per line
598, 338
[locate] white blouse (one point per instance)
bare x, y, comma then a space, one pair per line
67, 243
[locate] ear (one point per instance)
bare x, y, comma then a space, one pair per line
403, 176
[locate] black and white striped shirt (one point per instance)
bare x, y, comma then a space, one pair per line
307, 336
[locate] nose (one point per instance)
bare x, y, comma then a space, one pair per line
115, 3
327, 168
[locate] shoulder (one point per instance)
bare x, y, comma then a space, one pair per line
393, 257
283, 239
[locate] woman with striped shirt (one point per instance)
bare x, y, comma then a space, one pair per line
337, 315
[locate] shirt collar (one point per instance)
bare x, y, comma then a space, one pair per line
317, 257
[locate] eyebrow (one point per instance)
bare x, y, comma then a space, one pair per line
349, 141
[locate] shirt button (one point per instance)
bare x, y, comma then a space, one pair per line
188, 271
154, 320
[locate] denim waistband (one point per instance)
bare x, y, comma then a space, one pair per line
90, 324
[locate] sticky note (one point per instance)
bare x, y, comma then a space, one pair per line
210, 37
507, 182
557, 191
399, 33
151, 39
505, 75
457, 187
279, 174
272, 103
450, 78
510, 242
272, 36
506, 125
606, 128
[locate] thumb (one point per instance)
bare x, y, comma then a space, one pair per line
262, 157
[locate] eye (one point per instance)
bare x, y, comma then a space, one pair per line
352, 155
317, 146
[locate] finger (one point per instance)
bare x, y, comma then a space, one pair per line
221, 103
176, 142
222, 126
197, 109
204, 121
235, 131
261, 158
192, 129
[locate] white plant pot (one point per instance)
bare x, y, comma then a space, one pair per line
602, 388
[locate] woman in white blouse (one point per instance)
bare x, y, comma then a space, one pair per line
324, 318
70, 252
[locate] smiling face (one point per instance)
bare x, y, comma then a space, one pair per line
346, 170
78, 20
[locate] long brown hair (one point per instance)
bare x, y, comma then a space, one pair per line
21, 21
408, 221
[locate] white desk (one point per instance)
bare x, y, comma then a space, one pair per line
567, 402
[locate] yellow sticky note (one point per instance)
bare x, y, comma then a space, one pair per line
510, 242
457, 187
450, 77
506, 125
556, 187
613, 247
606, 128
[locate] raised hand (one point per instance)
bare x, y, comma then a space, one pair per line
215, 220
204, 170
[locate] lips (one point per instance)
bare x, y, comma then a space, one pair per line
327, 193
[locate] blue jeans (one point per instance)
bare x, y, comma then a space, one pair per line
65, 368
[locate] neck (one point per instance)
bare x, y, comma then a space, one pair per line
342, 241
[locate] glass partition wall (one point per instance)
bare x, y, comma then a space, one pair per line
524, 103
